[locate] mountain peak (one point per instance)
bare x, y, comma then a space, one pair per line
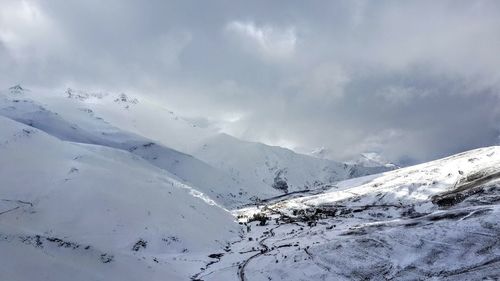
374, 159
16, 89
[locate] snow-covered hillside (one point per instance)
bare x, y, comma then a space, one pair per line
85, 212
273, 165
83, 127
437, 221
96, 186
231, 171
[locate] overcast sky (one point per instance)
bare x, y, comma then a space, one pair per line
413, 80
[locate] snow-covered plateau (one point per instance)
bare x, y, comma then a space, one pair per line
101, 186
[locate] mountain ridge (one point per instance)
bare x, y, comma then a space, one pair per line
227, 175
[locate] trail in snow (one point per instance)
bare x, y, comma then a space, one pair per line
263, 250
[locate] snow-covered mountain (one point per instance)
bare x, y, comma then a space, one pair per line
366, 159
273, 165
434, 221
98, 186
373, 159
70, 211
231, 171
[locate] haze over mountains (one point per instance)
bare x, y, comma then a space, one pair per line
394, 78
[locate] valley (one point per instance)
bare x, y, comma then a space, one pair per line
90, 191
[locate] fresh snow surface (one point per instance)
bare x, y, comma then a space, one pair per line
87, 212
434, 221
91, 189
231, 171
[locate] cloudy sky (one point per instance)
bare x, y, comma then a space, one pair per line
413, 80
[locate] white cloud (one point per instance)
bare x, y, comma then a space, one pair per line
24, 30
270, 41
340, 74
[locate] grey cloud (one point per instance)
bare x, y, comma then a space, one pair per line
414, 80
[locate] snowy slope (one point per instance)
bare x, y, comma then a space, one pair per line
434, 221
271, 164
82, 126
414, 185
239, 171
91, 189
85, 212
